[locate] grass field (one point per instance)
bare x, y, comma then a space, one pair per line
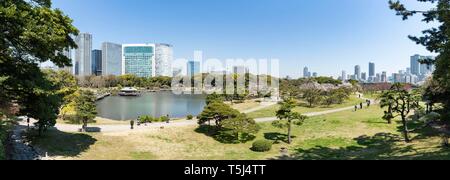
343, 135
249, 104
372, 95
271, 111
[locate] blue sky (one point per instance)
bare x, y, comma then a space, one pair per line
328, 36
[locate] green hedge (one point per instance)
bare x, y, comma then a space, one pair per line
262, 145
151, 119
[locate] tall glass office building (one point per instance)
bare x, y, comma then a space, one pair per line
83, 61
97, 62
139, 59
371, 69
164, 58
111, 59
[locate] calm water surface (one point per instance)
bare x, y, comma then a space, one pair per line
156, 104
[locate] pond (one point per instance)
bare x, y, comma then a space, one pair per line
155, 104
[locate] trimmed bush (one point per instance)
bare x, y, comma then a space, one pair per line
262, 145
190, 117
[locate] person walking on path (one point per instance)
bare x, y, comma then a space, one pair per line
356, 108
132, 124
28, 122
361, 105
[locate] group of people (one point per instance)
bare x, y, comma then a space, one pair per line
368, 102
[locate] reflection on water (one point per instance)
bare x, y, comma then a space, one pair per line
156, 104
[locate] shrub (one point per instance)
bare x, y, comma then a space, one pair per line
262, 145
164, 118
190, 117
430, 117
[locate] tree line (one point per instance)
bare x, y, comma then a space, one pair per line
128, 80
316, 91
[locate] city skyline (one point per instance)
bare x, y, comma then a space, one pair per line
296, 40
415, 73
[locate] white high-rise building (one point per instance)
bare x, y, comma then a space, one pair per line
163, 59
344, 76
111, 59
83, 61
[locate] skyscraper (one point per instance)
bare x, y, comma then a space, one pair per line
364, 76
83, 61
397, 78
306, 73
415, 64
358, 72
384, 76
139, 59
97, 62
344, 76
371, 69
193, 68
111, 59
426, 69
164, 58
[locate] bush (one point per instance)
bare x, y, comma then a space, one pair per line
164, 119
262, 146
430, 117
190, 117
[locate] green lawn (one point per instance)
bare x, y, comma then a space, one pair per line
271, 111
343, 135
372, 95
249, 104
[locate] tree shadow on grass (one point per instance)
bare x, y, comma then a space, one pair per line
223, 136
420, 129
58, 143
277, 137
381, 146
